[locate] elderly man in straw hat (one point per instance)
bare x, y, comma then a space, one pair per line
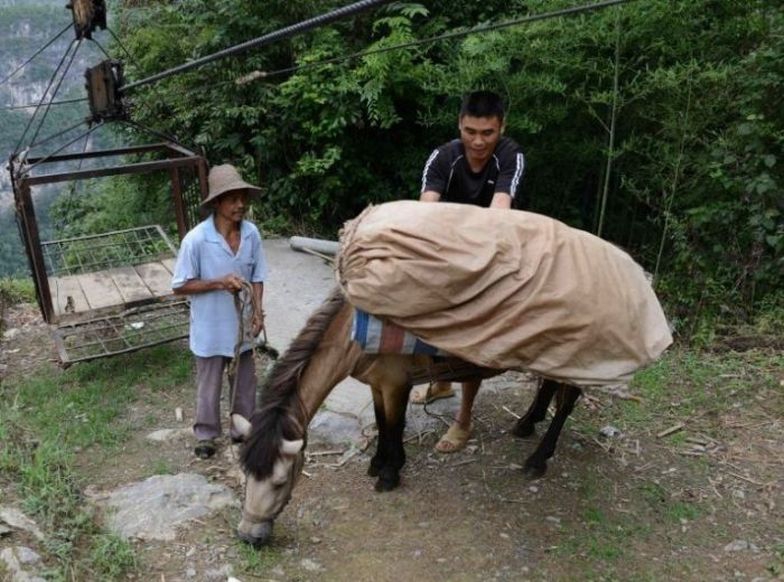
216, 259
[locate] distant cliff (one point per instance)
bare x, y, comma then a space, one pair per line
25, 27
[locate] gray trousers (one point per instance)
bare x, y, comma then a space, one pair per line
209, 381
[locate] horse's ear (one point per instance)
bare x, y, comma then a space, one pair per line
291, 448
241, 424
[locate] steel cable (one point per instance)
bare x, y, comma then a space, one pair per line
43, 97
281, 34
38, 52
54, 93
432, 39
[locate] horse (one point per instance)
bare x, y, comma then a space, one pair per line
320, 357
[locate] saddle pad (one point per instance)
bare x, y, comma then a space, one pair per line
379, 336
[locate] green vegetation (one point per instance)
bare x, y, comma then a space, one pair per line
692, 185
14, 291
45, 419
257, 560
694, 189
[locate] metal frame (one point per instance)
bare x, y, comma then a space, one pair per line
178, 158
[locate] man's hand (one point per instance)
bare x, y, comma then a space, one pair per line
232, 283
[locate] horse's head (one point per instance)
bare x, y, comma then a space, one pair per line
273, 466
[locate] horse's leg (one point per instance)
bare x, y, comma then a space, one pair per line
526, 426
395, 401
379, 459
536, 465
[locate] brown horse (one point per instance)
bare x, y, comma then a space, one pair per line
321, 356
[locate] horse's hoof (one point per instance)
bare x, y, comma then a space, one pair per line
524, 429
531, 472
383, 485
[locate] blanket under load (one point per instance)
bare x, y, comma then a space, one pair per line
380, 336
504, 289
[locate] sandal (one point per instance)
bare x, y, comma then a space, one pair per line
455, 439
425, 395
204, 449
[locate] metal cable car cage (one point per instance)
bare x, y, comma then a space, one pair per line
109, 293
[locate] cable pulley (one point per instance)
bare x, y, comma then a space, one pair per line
87, 16
103, 82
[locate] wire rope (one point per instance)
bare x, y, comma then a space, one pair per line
120, 44
103, 50
31, 105
281, 34
43, 98
62, 147
38, 52
59, 133
448, 35
138, 126
54, 93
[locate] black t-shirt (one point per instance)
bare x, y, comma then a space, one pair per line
448, 173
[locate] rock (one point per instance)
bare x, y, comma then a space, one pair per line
15, 558
10, 334
740, 546
168, 434
333, 428
16, 519
152, 509
4, 531
553, 519
222, 573
311, 565
609, 431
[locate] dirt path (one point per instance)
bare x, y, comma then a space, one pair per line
704, 502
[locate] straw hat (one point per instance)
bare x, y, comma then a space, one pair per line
226, 178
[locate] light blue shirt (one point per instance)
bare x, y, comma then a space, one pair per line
205, 254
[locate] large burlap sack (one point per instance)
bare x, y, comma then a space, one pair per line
504, 289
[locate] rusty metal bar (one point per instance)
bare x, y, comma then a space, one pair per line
101, 153
137, 168
177, 148
26, 212
179, 209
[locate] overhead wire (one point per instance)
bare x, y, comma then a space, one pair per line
60, 133
48, 156
120, 44
54, 93
103, 50
455, 34
31, 105
43, 97
38, 52
280, 34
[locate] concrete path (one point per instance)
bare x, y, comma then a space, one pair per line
297, 284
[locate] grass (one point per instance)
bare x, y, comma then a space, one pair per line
47, 417
14, 291
257, 561
112, 556
685, 384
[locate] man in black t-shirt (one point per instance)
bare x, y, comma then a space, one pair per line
482, 168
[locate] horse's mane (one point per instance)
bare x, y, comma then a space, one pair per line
281, 413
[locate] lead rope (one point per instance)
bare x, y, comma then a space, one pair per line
241, 300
